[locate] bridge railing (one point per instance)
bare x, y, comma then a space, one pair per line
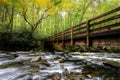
106, 22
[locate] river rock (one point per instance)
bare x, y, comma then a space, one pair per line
89, 76
60, 60
44, 63
117, 56
14, 54
9, 63
112, 63
36, 59
31, 51
56, 76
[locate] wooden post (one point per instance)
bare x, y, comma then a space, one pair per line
50, 40
71, 36
63, 39
88, 33
57, 38
53, 40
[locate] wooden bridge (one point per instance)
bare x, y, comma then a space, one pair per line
101, 30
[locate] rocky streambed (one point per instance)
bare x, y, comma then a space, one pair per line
23, 65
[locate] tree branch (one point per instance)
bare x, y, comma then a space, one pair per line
42, 17
84, 9
24, 15
35, 25
40, 20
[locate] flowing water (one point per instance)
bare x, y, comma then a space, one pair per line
70, 66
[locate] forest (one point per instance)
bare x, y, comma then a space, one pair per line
59, 39
22, 22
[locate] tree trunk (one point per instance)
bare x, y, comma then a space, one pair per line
10, 24
12, 19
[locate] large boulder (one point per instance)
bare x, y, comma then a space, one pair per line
36, 59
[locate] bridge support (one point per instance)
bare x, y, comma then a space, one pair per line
63, 43
72, 36
53, 40
88, 34
57, 39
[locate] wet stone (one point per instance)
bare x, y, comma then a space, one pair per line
14, 54
56, 76
60, 60
36, 59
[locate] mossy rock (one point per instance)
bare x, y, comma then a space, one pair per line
35, 69
112, 63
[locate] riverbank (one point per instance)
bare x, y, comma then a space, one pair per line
88, 49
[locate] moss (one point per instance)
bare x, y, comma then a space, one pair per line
60, 48
35, 69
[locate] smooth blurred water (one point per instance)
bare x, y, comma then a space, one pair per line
73, 62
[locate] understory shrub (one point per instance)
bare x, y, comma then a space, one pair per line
16, 41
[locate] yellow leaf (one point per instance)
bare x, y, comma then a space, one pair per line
42, 3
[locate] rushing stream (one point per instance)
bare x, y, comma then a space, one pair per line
58, 66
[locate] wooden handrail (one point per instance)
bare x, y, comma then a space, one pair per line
105, 14
99, 23
106, 20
